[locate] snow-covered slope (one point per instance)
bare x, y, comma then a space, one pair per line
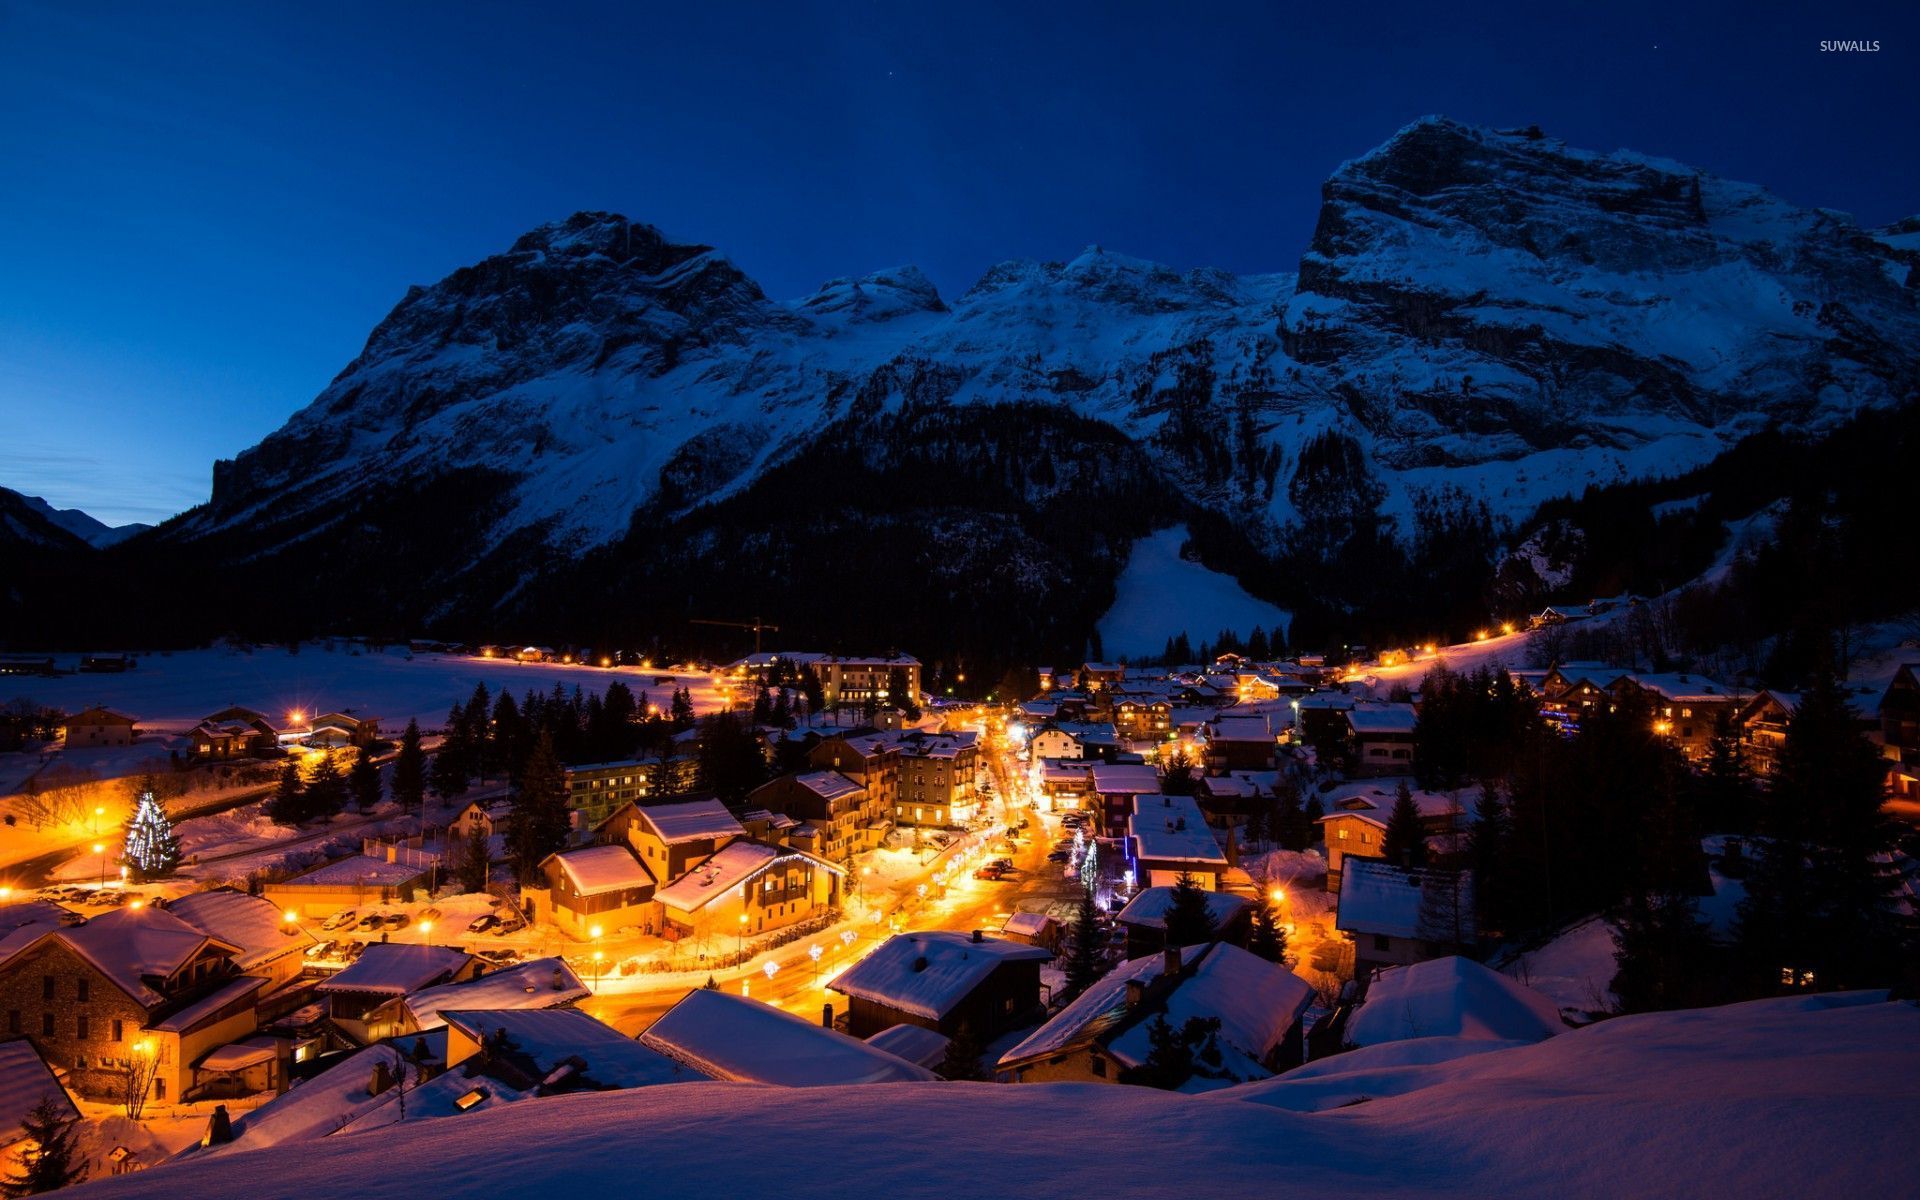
1160, 595
1483, 310
1779, 1098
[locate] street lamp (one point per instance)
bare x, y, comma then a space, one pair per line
598, 956
100, 848
99, 810
426, 931
743, 939
814, 952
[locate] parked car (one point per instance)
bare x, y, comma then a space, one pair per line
345, 916
397, 920
482, 923
317, 950
1059, 855
1005, 864
369, 923
988, 873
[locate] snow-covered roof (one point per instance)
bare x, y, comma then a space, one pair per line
1026, 924
1240, 727
238, 1056
1172, 829
355, 870
739, 1039
1384, 718
928, 973
594, 870
23, 924
734, 864
1149, 908
1256, 1002
25, 1079
550, 1036
1378, 897
1124, 778
395, 968
199, 1009
536, 983
1677, 688
132, 945
1103, 1006
1451, 997
249, 922
915, 1043
692, 820
828, 785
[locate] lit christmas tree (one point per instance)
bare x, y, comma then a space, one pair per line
1090, 867
1079, 849
152, 851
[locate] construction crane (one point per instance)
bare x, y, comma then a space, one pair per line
757, 625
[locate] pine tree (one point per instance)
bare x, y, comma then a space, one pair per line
1289, 819
152, 851
1188, 922
962, 1059
473, 863
448, 774
1489, 845
289, 803
1664, 954
52, 1157
1084, 962
1405, 842
364, 781
326, 788
410, 771
537, 822
1726, 788
1268, 939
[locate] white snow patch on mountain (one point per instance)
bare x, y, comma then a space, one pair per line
1161, 595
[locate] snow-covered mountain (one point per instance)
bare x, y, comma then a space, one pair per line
1480, 313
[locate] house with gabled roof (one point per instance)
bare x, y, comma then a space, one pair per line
670, 838
747, 888
271, 946
941, 980
367, 1000
93, 727
132, 985
1398, 915
1106, 1032
740, 1040
594, 886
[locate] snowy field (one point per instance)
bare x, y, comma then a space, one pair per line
173, 690
1161, 595
1789, 1097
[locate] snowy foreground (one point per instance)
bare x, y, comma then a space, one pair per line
1785, 1097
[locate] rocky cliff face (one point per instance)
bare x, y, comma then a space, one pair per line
1482, 314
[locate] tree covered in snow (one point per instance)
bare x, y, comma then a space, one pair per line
152, 851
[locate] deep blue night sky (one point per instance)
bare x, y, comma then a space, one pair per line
205, 208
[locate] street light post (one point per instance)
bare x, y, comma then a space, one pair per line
594, 932
100, 848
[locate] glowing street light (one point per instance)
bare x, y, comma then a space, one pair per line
743, 938
598, 958
426, 931
99, 810
814, 952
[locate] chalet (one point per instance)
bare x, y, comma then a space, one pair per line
1451, 997
941, 981
1240, 742
25, 1080
1229, 800
23, 664
670, 838
1107, 1031
336, 729
937, 779
737, 1039
1115, 787
595, 790
1762, 723
1066, 783
747, 888
872, 761
268, 944
1398, 915
1322, 717
232, 732
1096, 675
134, 987
99, 727
358, 879
1143, 718
1168, 836
1355, 828
1381, 738
1557, 614
1031, 929
484, 819
552, 1050
1074, 739
1686, 708
602, 887
106, 664
1900, 732
367, 1000
538, 983
1145, 919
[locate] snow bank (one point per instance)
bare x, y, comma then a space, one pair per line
1793, 1097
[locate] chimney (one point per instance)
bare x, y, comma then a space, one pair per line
1136, 994
826, 1016
1170, 960
382, 1078
556, 979
219, 1128
977, 937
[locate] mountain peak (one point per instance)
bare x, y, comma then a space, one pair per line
879, 296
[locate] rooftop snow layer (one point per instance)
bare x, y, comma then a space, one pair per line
536, 983
691, 821
593, 870
249, 922
1451, 997
395, 968
928, 973
1149, 907
739, 1039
